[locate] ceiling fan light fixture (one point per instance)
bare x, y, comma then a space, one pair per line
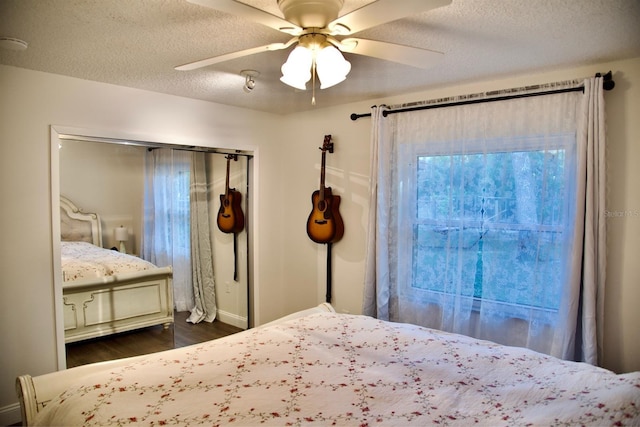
296, 72
314, 25
331, 67
314, 55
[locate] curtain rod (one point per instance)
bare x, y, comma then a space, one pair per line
154, 145
607, 84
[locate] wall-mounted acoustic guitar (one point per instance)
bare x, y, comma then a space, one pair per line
324, 224
230, 216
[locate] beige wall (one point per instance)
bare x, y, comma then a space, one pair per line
290, 268
107, 179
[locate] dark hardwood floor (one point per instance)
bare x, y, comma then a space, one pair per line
146, 340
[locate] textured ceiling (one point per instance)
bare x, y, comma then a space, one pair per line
137, 43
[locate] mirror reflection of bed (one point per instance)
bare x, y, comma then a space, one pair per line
139, 300
107, 291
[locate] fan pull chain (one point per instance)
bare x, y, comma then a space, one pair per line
313, 82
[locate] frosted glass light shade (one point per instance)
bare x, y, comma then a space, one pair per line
331, 67
296, 71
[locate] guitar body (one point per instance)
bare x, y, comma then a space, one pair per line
324, 224
230, 216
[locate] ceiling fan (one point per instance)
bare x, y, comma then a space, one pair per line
315, 26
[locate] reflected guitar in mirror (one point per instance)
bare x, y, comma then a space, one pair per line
230, 216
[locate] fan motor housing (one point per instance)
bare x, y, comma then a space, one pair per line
310, 13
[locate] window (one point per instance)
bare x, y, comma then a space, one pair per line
487, 219
489, 226
167, 237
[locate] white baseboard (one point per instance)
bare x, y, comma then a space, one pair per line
233, 319
10, 415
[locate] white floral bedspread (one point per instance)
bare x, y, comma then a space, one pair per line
338, 369
82, 260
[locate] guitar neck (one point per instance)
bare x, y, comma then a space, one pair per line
226, 185
327, 145
322, 167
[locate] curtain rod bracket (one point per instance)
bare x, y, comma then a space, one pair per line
355, 116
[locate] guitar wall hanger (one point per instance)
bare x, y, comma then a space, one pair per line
329, 145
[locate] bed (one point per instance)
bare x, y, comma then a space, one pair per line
105, 291
319, 367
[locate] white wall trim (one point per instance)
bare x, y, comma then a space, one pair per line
55, 249
10, 414
233, 319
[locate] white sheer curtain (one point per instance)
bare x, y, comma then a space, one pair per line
176, 227
204, 291
591, 265
166, 238
462, 195
379, 263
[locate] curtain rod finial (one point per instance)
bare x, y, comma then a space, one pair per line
607, 83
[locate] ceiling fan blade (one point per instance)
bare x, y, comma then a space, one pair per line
250, 13
415, 57
234, 55
381, 12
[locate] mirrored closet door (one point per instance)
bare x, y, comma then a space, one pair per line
166, 207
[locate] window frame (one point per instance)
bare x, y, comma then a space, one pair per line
408, 155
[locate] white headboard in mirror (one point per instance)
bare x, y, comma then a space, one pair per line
78, 226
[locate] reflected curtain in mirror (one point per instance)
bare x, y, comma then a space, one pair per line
171, 202
202, 255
